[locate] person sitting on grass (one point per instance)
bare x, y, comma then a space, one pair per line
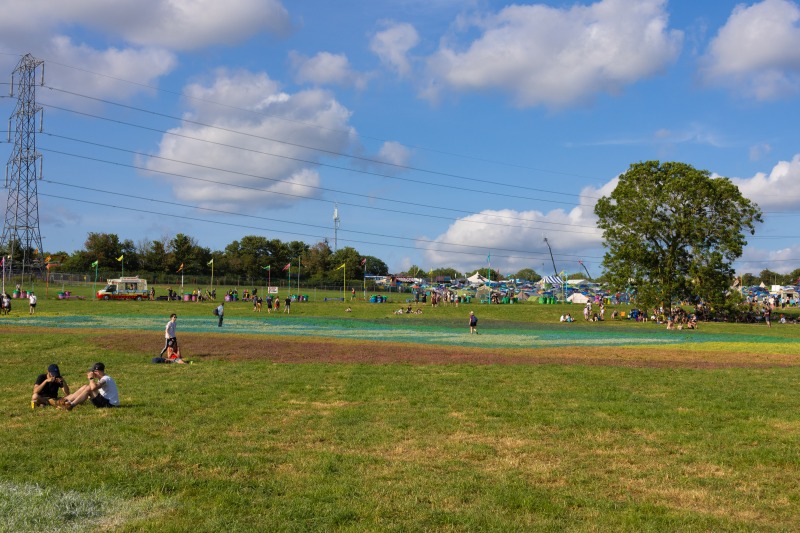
174, 356
101, 390
45, 389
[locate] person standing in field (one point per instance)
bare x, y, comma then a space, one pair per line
169, 335
220, 313
288, 305
473, 323
32, 304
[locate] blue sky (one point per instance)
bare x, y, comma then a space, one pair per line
446, 132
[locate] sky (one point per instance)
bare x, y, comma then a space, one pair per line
444, 133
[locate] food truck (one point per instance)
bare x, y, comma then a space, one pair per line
124, 289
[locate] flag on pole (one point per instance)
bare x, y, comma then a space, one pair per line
95, 264
288, 266
363, 261
342, 266
267, 267
47, 260
211, 262
120, 257
180, 268
3, 261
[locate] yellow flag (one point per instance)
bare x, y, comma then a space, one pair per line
180, 267
211, 262
120, 257
341, 267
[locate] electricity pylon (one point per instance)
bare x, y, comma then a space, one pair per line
22, 239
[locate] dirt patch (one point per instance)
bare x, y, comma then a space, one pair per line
282, 349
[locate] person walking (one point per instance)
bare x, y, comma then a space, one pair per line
169, 335
220, 313
473, 323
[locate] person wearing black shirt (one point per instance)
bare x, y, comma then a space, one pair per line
45, 390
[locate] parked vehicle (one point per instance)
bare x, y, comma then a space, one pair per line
124, 289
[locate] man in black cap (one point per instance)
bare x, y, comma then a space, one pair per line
45, 390
101, 389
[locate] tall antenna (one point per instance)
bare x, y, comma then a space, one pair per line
21, 236
335, 227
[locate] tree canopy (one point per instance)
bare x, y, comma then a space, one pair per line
672, 232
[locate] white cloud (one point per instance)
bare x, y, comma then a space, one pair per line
757, 51
782, 260
392, 46
126, 39
555, 57
145, 65
192, 24
172, 24
778, 189
326, 69
572, 234
248, 121
394, 153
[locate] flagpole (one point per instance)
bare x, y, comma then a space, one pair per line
94, 287
344, 281
365, 279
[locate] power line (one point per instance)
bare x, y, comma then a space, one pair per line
216, 169
294, 223
316, 126
329, 165
286, 232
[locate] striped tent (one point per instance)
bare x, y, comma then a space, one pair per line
553, 280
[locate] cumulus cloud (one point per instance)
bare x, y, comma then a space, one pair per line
141, 36
171, 24
555, 57
782, 260
516, 238
776, 190
145, 65
757, 51
244, 177
326, 68
191, 24
392, 46
394, 153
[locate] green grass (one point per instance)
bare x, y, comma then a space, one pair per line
252, 445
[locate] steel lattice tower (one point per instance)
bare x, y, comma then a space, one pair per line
21, 236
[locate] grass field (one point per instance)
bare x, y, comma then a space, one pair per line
368, 421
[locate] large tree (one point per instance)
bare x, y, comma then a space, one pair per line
673, 232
